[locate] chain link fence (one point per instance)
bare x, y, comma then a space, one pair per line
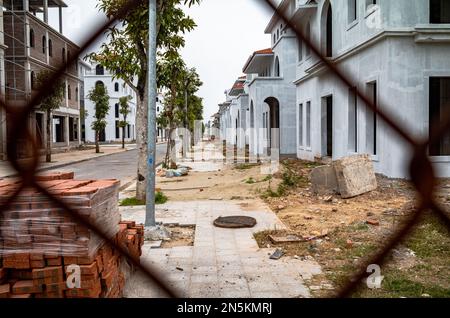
421, 170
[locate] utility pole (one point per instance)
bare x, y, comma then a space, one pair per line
151, 78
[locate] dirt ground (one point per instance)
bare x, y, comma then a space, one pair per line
180, 236
417, 267
230, 183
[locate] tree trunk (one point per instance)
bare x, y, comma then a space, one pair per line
97, 145
48, 147
123, 137
141, 143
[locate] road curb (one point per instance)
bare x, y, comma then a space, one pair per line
68, 163
126, 185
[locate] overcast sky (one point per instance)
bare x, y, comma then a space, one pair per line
228, 32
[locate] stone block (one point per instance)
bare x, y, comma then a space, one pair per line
324, 180
355, 175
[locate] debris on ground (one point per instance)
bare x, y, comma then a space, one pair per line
285, 239
277, 254
349, 176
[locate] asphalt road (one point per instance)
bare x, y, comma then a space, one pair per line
120, 166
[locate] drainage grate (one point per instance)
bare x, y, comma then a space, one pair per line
235, 222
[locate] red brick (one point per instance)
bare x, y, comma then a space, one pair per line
48, 272
21, 296
49, 294
54, 261
373, 222
5, 290
26, 287
56, 287
36, 257
37, 264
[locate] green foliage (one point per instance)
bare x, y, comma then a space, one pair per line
131, 202
124, 109
99, 96
125, 54
250, 180
160, 198
54, 100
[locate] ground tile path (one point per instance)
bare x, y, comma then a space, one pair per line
223, 262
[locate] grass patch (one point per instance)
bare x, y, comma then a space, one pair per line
160, 198
250, 181
131, 202
246, 166
267, 178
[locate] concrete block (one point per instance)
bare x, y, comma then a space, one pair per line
324, 180
355, 175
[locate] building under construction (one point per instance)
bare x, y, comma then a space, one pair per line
28, 46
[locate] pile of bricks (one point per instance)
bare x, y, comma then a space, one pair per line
40, 243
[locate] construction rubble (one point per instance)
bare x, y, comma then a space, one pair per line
349, 176
41, 245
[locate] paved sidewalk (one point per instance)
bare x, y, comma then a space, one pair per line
67, 158
223, 262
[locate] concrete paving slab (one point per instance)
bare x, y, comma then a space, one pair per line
222, 263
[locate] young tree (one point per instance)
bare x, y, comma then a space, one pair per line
172, 75
126, 56
48, 105
99, 96
124, 110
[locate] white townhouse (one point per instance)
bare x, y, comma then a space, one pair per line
233, 115
398, 54
116, 89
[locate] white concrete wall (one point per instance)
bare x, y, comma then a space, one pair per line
110, 131
395, 56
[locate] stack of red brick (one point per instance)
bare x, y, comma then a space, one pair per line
39, 242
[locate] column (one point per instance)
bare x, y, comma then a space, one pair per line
60, 19
26, 5
66, 131
46, 11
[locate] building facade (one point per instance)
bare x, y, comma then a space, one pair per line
116, 89
30, 46
396, 54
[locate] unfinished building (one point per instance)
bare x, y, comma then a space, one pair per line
28, 46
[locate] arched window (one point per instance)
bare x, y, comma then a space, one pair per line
50, 47
117, 110
99, 83
99, 70
329, 33
274, 38
76, 94
32, 41
308, 38
44, 44
69, 92
277, 67
63, 53
278, 34
33, 80
300, 49
116, 87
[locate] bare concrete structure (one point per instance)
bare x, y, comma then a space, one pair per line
397, 53
30, 46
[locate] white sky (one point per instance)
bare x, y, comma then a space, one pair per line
228, 32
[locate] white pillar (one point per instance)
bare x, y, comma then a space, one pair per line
66, 126
60, 19
26, 5
46, 11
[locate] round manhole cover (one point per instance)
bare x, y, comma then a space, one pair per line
234, 222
